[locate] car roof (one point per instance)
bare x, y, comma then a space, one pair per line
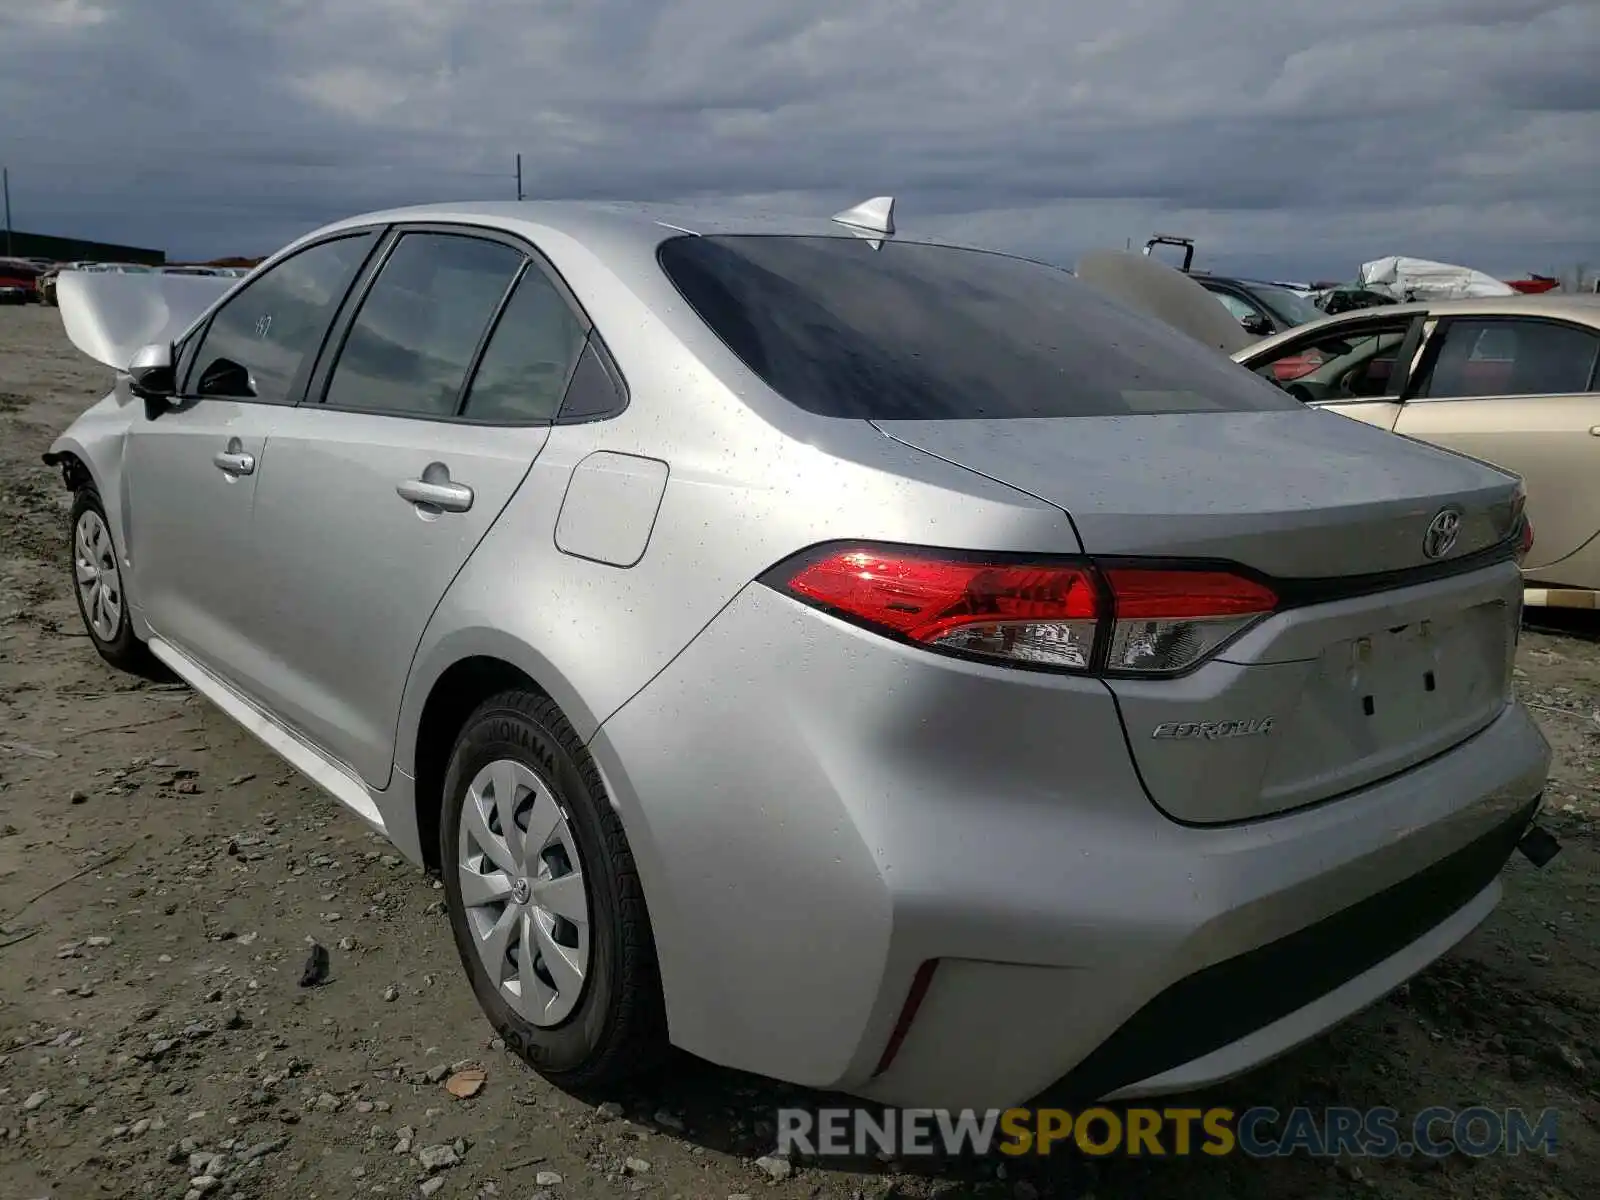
1576, 306
1242, 281
610, 223
1572, 306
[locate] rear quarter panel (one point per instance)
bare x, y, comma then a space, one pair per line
593, 633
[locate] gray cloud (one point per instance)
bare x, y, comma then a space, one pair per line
1295, 137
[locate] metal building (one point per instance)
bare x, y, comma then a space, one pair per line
60, 249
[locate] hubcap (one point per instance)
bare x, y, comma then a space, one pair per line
99, 582
522, 885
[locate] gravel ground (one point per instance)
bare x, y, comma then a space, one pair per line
161, 874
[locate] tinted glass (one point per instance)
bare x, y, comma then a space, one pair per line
1511, 358
413, 339
596, 391
1235, 306
917, 332
1290, 307
525, 368
275, 325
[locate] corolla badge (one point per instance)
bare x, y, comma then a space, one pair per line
1211, 730
1440, 537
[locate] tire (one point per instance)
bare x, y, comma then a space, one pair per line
613, 1025
104, 610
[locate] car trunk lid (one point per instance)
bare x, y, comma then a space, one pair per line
1379, 656
1297, 493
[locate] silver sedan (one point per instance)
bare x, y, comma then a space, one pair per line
886, 666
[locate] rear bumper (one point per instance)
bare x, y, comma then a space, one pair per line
1237, 1012
816, 812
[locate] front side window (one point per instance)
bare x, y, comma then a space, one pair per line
412, 342
525, 368
1509, 357
1341, 364
920, 332
1236, 307
257, 342
1290, 308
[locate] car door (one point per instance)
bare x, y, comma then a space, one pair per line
191, 468
435, 397
1356, 368
1519, 392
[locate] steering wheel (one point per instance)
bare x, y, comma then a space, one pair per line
1345, 381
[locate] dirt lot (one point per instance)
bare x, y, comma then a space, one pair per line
160, 874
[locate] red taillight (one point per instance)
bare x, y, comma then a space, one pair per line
1045, 615
1062, 615
1153, 593
1525, 539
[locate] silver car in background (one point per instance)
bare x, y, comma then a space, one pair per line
881, 665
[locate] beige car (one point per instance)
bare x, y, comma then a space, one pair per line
1508, 379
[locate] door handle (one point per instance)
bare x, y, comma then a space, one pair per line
436, 490
233, 460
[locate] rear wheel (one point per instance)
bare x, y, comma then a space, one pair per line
97, 584
545, 903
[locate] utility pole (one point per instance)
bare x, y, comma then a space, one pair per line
519, 177
5, 182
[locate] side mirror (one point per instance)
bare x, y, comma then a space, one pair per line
152, 371
1256, 325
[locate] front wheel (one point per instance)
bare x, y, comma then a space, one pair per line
545, 903
97, 584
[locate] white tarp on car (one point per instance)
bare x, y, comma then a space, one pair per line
1419, 279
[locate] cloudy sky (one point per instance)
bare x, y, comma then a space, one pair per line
1296, 138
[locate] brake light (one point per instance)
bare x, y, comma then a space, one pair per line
1525, 540
1061, 615
1044, 615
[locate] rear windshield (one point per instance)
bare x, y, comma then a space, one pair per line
919, 332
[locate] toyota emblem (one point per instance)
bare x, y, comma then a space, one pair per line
1442, 530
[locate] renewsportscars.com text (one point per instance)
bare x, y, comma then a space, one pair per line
1260, 1132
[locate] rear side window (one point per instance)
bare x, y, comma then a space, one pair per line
523, 374
409, 348
919, 332
1508, 357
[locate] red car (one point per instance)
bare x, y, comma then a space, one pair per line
19, 281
